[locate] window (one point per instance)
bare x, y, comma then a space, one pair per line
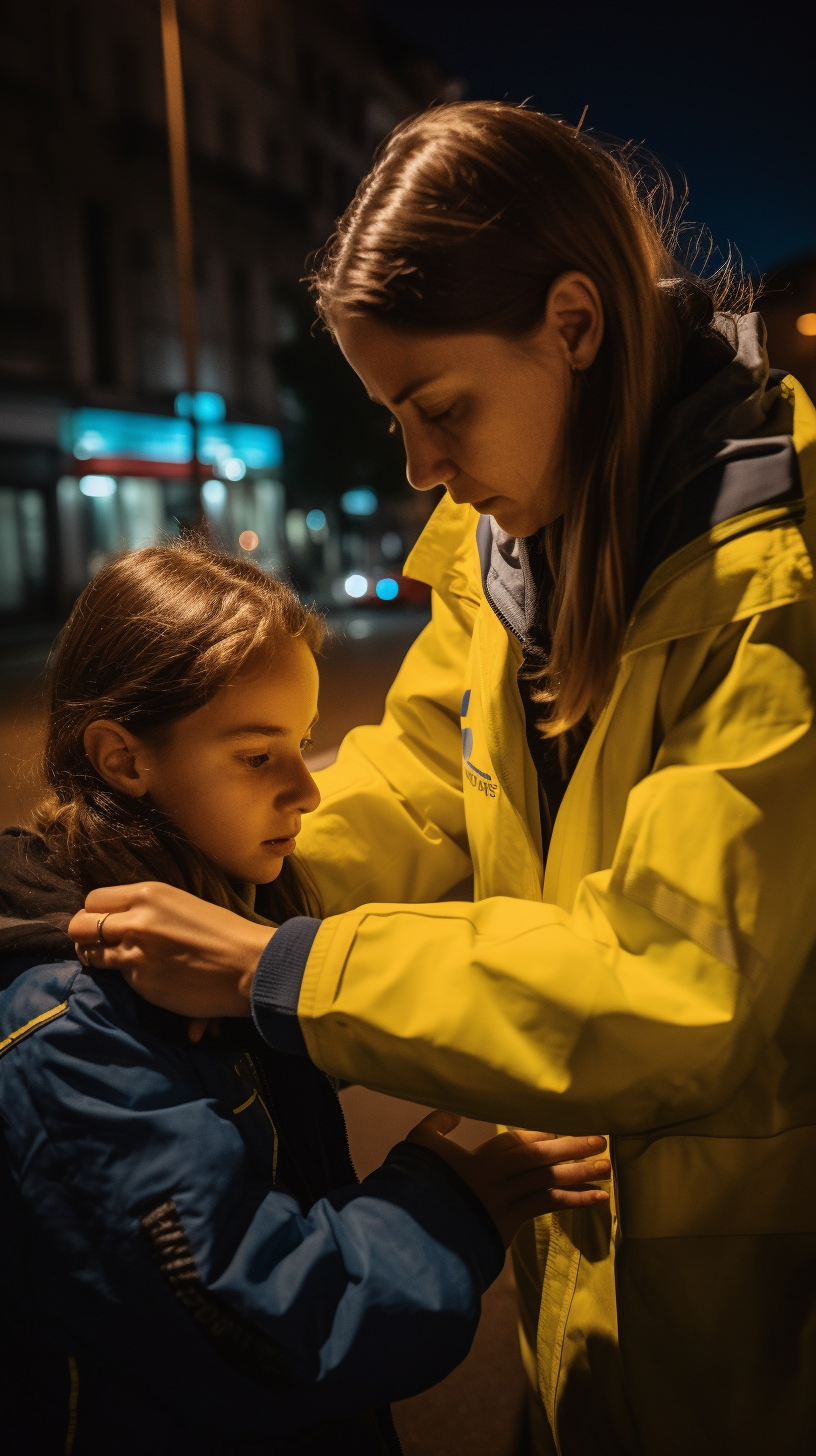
341, 189
229, 129
334, 96
315, 176
128, 80
308, 78
267, 45
24, 551
357, 119
96, 230
240, 299
273, 154
141, 255
76, 47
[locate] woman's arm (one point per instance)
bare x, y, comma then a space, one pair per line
391, 823
648, 1003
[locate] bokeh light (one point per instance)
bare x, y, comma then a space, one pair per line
98, 485
806, 324
234, 468
214, 494
356, 585
359, 502
248, 540
387, 589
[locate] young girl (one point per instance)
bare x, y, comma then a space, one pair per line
611, 721
187, 1261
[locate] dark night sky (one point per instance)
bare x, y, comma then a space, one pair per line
724, 94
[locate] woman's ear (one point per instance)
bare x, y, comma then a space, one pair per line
574, 313
117, 757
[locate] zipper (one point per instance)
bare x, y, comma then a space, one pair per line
342, 1123
73, 1401
613, 1158
500, 614
259, 1087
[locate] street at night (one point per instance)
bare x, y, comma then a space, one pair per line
444, 371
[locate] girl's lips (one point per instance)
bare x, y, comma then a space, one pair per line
282, 846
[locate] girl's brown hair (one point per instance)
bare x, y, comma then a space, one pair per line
469, 214
154, 636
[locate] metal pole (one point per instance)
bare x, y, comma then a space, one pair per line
182, 214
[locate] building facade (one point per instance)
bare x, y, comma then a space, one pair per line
286, 103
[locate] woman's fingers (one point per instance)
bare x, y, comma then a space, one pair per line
547, 1202
112, 901
437, 1122
567, 1176
541, 1150
576, 1197
84, 928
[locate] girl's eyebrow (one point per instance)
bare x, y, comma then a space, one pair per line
265, 730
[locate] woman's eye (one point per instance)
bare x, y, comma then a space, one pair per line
443, 415
257, 760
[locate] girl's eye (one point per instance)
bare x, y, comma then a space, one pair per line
437, 419
257, 760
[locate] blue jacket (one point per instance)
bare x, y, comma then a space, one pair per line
186, 1258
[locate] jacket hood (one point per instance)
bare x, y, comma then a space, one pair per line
722, 448
37, 899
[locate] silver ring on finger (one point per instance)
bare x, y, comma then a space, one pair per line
99, 924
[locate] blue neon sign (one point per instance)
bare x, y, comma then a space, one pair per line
97, 434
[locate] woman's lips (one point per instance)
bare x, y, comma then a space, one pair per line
484, 507
282, 846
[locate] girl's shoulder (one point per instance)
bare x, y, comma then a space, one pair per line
59, 1011
34, 996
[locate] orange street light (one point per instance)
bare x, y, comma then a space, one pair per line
182, 213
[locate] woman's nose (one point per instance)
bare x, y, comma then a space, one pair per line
425, 465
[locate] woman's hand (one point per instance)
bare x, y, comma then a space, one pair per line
517, 1174
176, 950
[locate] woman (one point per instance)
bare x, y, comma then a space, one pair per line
609, 720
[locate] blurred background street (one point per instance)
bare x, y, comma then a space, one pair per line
159, 370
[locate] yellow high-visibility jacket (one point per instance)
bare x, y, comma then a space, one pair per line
656, 983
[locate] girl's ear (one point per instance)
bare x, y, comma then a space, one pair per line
117, 757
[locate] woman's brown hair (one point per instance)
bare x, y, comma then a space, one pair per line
469, 214
154, 636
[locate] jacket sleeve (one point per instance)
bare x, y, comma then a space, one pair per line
391, 824
225, 1298
650, 1001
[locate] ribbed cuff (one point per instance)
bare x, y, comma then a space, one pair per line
276, 987
487, 1247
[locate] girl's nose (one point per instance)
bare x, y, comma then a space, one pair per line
301, 790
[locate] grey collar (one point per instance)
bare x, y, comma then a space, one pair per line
735, 427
